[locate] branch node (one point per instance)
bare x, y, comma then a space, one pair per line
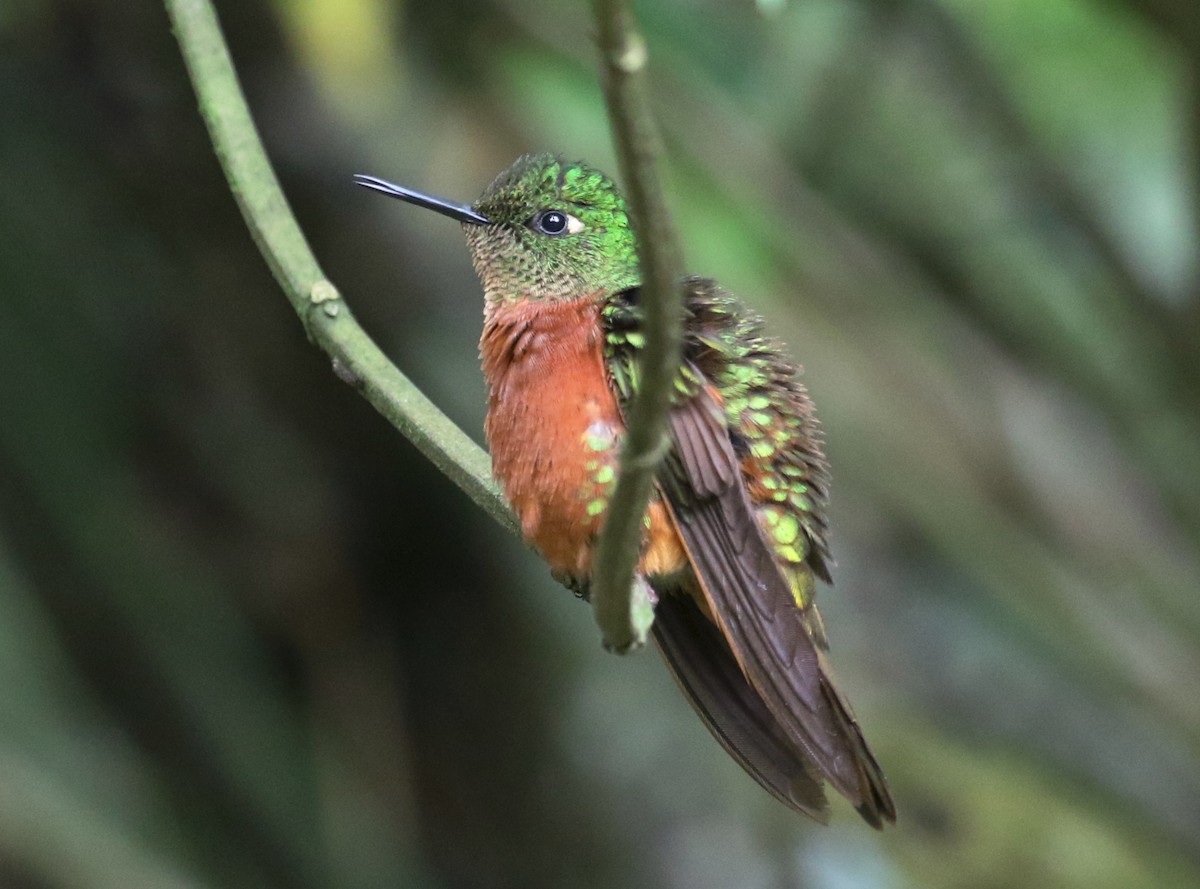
632, 55
344, 372
323, 291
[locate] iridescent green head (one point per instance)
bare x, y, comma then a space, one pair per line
545, 229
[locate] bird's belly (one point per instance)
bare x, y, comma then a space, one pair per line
554, 431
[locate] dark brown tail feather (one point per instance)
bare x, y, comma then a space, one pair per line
785, 671
706, 671
762, 630
877, 805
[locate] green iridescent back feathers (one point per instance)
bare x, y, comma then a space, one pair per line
767, 411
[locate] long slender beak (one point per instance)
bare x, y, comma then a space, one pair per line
461, 212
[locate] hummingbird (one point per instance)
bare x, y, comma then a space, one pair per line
735, 534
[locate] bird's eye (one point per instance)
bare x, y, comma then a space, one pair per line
555, 223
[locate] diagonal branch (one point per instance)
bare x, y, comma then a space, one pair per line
328, 321
622, 607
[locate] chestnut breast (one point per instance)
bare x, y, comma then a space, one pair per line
554, 430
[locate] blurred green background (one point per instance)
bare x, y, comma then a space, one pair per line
248, 637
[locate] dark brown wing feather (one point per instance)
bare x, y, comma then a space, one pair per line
757, 677
755, 611
706, 671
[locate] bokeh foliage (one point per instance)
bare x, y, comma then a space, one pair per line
249, 638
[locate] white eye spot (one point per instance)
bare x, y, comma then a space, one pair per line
574, 225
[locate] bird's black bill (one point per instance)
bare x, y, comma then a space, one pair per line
461, 212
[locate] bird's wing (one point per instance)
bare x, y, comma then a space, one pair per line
767, 626
703, 666
753, 605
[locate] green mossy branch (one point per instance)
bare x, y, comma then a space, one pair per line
325, 316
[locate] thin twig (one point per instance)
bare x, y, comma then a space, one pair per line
622, 607
330, 325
